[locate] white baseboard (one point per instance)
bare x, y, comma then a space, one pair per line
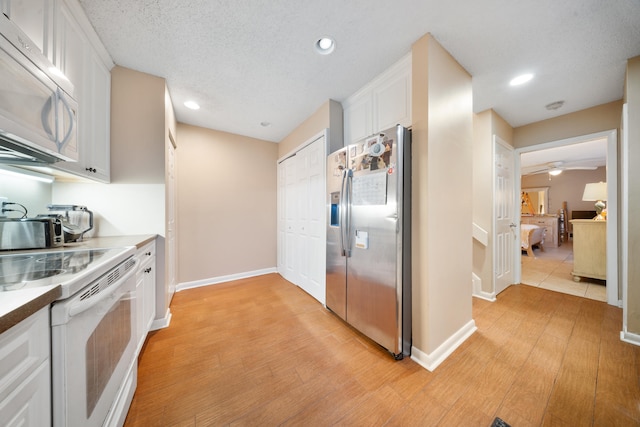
162, 322
629, 337
476, 289
223, 279
433, 360
489, 296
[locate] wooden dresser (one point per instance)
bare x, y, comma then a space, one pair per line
589, 249
549, 223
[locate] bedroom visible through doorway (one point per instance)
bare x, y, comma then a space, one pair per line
551, 270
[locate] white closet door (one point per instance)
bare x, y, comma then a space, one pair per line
301, 219
311, 222
290, 221
303, 211
281, 194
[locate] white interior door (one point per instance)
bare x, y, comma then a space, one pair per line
505, 228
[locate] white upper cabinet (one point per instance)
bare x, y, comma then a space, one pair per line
382, 103
61, 30
35, 19
83, 59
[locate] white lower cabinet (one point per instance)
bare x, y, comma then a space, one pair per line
145, 291
25, 372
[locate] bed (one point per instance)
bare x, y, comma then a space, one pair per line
531, 235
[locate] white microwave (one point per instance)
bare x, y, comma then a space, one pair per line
38, 115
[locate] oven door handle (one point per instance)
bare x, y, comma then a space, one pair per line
84, 305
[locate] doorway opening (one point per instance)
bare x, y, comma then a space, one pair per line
558, 172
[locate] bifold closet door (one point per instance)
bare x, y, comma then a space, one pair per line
301, 219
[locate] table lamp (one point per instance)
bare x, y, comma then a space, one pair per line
596, 192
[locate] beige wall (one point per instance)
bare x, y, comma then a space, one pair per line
442, 205
329, 115
134, 201
226, 203
485, 126
632, 96
137, 127
597, 119
566, 187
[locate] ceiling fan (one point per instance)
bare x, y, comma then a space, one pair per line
556, 168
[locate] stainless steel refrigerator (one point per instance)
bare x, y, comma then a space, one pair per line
369, 237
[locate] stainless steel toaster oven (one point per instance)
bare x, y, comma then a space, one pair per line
30, 233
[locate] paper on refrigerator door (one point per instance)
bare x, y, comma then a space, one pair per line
362, 239
370, 189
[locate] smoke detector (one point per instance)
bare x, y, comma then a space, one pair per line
554, 105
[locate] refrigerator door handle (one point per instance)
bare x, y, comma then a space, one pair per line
342, 212
347, 223
345, 213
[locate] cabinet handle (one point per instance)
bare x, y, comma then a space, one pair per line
148, 253
91, 170
147, 270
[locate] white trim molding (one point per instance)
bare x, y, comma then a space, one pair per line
630, 337
431, 361
223, 279
476, 287
480, 234
162, 322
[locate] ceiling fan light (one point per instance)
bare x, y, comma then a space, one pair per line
555, 172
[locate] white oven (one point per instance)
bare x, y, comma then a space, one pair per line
93, 350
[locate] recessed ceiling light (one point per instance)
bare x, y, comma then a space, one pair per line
192, 105
521, 79
325, 45
554, 105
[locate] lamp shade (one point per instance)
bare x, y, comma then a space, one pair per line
595, 191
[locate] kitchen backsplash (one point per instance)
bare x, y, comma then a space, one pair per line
34, 195
119, 209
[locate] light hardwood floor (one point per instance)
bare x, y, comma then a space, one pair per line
261, 352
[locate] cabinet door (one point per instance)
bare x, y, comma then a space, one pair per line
358, 118
146, 289
140, 330
35, 19
30, 403
392, 100
25, 372
92, 89
94, 120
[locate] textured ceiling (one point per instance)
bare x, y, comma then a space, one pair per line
250, 61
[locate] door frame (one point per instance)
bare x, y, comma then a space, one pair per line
614, 297
515, 218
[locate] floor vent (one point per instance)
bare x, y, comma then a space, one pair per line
498, 422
